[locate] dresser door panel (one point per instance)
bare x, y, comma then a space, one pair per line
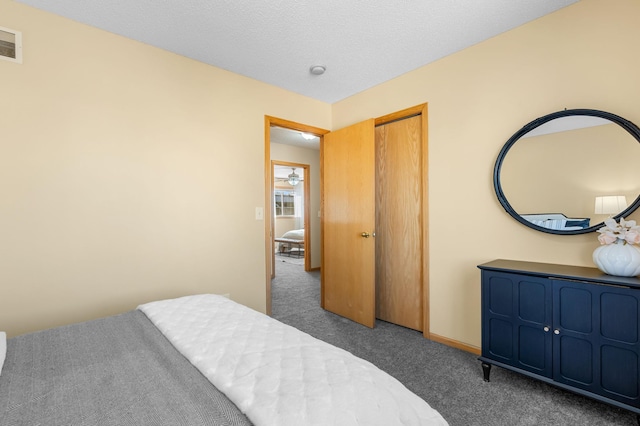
597, 344
500, 342
516, 311
534, 314
497, 302
619, 372
576, 365
531, 350
619, 344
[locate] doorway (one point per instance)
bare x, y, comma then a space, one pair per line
290, 209
297, 156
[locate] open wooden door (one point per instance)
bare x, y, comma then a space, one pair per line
348, 221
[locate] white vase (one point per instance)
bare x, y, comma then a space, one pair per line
618, 259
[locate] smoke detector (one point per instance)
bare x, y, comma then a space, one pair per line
317, 69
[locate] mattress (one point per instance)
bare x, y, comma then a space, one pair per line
295, 234
278, 375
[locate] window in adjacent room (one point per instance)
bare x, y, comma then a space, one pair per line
285, 202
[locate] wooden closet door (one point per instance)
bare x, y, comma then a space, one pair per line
399, 233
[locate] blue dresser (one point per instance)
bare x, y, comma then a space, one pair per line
573, 327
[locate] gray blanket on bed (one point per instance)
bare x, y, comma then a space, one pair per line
118, 370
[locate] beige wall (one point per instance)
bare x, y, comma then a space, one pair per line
311, 157
578, 57
113, 154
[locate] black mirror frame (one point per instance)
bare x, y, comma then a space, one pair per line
627, 125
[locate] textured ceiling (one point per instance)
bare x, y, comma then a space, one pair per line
361, 43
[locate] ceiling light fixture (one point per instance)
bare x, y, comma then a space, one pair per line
307, 136
293, 178
317, 69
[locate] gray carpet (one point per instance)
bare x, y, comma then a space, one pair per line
294, 258
450, 380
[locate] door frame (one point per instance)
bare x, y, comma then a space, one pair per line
269, 122
306, 217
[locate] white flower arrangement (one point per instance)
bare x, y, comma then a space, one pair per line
625, 232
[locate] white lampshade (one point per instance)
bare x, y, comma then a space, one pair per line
610, 204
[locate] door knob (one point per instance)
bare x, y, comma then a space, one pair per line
365, 235
546, 328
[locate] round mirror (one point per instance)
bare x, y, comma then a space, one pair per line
569, 171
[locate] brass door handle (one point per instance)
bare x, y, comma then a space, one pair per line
365, 235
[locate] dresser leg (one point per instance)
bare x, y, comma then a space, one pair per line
486, 369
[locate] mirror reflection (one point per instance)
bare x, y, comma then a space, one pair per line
571, 173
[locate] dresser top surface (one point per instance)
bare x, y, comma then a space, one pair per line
551, 270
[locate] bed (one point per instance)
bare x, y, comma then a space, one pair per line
196, 360
557, 221
291, 240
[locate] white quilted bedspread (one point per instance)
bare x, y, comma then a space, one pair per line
278, 375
